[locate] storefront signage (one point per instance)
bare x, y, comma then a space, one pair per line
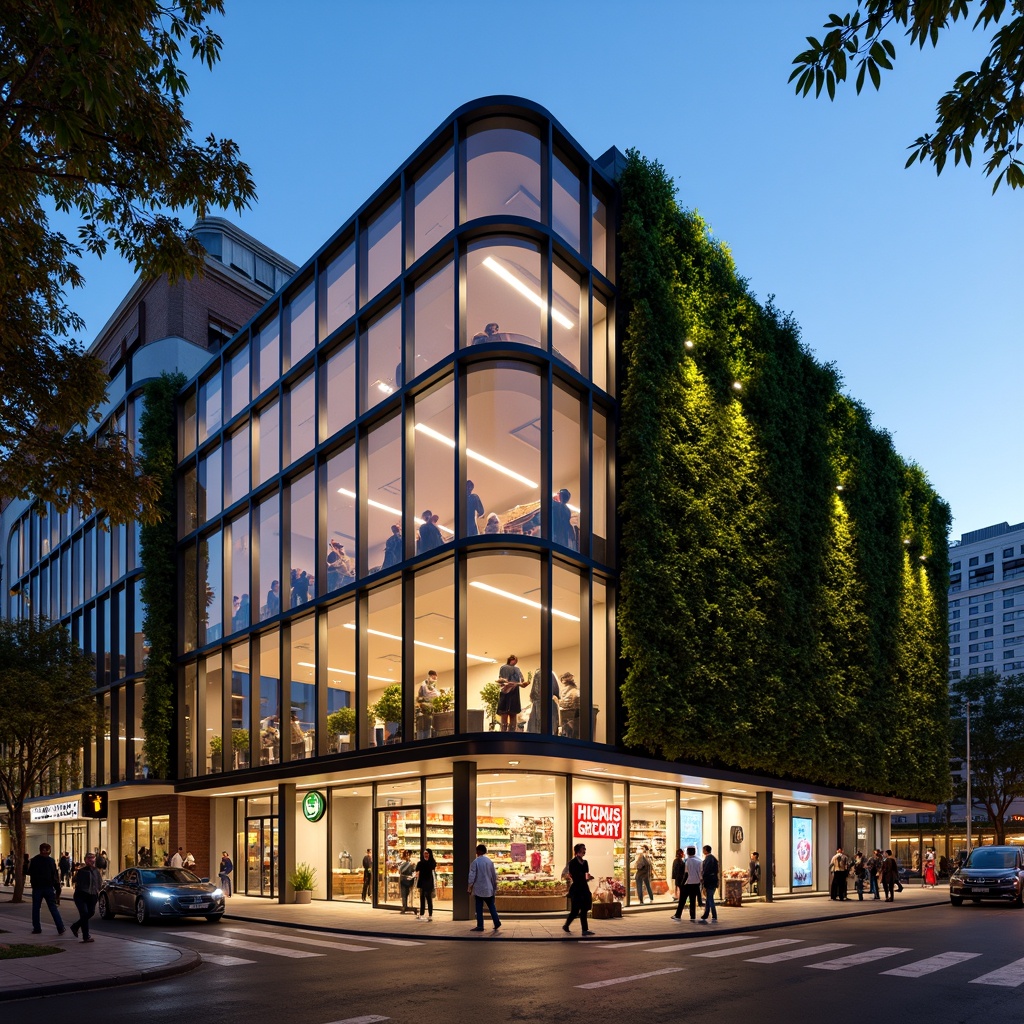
597, 821
313, 805
803, 852
55, 812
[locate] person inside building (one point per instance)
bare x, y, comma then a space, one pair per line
474, 509
569, 706
393, 551
511, 681
298, 738
430, 535
487, 334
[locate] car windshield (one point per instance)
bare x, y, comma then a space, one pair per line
992, 859
168, 876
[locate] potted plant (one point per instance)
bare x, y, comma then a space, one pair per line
240, 745
388, 707
442, 709
216, 753
489, 694
303, 881
341, 723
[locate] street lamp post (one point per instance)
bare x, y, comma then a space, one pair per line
969, 801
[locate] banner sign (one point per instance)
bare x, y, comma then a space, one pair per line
55, 812
597, 821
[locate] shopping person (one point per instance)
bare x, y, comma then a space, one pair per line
226, 867
642, 873
483, 884
577, 873
426, 869
709, 880
367, 874
88, 882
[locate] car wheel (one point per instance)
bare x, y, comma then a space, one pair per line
141, 913
103, 906
956, 900
214, 918
1019, 901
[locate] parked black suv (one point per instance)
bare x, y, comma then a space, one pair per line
989, 873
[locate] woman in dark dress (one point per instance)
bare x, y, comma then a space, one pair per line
426, 867
511, 680
580, 898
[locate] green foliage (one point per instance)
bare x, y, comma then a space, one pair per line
303, 877
92, 126
997, 741
489, 695
388, 707
157, 433
49, 713
982, 106
444, 701
770, 614
240, 739
342, 722
216, 745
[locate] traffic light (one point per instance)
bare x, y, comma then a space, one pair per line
94, 805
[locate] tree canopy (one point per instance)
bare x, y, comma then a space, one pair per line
984, 106
49, 712
93, 130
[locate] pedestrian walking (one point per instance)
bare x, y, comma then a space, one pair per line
178, 859
874, 866
101, 863
709, 880
839, 869
406, 879
929, 869
224, 874
689, 883
64, 867
8, 868
426, 868
642, 873
577, 873
88, 882
367, 874
42, 872
483, 884
890, 875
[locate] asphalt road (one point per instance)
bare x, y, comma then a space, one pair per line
936, 964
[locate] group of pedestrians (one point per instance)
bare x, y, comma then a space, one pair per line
692, 876
881, 871
46, 886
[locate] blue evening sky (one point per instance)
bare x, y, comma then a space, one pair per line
901, 278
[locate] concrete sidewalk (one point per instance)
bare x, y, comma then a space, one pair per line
129, 956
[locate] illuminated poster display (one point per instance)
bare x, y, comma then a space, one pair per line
803, 852
691, 830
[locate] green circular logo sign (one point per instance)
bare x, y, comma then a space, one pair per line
313, 805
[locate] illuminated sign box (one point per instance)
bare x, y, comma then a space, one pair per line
94, 805
55, 812
597, 821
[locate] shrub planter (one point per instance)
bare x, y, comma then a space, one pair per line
303, 895
530, 904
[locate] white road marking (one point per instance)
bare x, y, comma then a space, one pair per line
795, 954
290, 937
854, 959
366, 938
1009, 976
256, 947
223, 960
723, 940
931, 965
632, 977
369, 1019
748, 949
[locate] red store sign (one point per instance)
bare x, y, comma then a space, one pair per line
597, 821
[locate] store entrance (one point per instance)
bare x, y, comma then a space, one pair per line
261, 857
73, 840
397, 830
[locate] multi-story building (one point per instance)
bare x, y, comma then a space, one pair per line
397, 488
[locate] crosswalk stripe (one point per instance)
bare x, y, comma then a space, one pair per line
721, 941
1009, 976
748, 949
366, 938
931, 965
633, 977
256, 947
290, 937
222, 960
879, 953
371, 1018
794, 954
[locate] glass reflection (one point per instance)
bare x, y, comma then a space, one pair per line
382, 356
269, 696
384, 496
238, 541
269, 520
267, 351
302, 549
383, 249
434, 200
338, 289
503, 173
566, 419
302, 418
301, 324
565, 203
435, 469
504, 298
384, 660
341, 519
302, 710
433, 319
340, 372
341, 678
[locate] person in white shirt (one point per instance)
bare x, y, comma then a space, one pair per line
483, 884
178, 860
690, 884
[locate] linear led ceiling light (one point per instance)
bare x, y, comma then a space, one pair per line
522, 600
344, 671
438, 436
393, 511
509, 278
423, 643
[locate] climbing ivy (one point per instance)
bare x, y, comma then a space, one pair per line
776, 613
157, 435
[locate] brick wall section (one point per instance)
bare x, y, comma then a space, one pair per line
189, 824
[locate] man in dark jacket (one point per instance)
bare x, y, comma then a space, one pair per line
42, 871
64, 867
88, 883
890, 875
709, 879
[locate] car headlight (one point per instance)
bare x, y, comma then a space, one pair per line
158, 894
217, 893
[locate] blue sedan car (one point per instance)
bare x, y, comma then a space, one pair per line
143, 893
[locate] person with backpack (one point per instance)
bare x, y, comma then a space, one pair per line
642, 872
839, 867
860, 872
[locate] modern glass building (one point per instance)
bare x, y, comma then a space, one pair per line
397, 498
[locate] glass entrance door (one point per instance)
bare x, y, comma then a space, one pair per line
261, 857
397, 830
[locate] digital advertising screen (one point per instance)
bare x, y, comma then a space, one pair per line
803, 852
691, 829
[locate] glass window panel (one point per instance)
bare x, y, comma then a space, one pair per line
213, 715
384, 495
602, 690
269, 524
302, 709
299, 318
121, 638
269, 645
599, 234
78, 562
302, 418
211, 483
565, 203
502, 620
503, 454
341, 677
565, 316
211, 575
270, 442
433, 194
122, 733
503, 174
566, 416
599, 358
383, 241
104, 741
103, 556
382, 356
90, 560
210, 407
238, 540
340, 374
384, 658
435, 469
241, 706
434, 648
267, 346
302, 550
338, 289
567, 619
188, 431
341, 519
190, 502
190, 612
138, 733
433, 319
599, 487
236, 471
238, 382
504, 298
140, 644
